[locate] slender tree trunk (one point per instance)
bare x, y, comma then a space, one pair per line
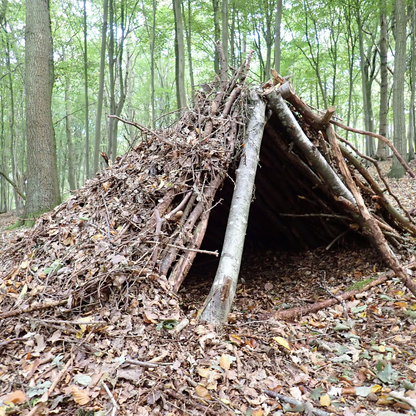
277, 36
180, 55
100, 98
152, 62
188, 32
384, 93
87, 117
42, 173
217, 34
399, 120
70, 145
366, 82
15, 171
112, 83
411, 131
225, 31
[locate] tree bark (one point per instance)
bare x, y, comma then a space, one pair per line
313, 155
42, 172
217, 34
399, 120
277, 36
220, 298
87, 117
384, 97
100, 97
224, 31
180, 55
70, 145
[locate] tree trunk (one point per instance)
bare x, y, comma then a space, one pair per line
277, 36
399, 120
70, 145
384, 94
217, 34
411, 131
180, 55
224, 31
188, 32
100, 97
220, 298
87, 117
366, 82
42, 172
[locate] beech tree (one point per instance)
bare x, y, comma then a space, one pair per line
399, 119
42, 191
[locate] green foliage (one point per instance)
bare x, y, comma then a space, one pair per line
319, 47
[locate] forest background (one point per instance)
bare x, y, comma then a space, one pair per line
144, 60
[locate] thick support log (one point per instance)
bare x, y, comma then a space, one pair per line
220, 298
317, 161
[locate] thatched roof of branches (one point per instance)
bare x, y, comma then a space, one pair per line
144, 218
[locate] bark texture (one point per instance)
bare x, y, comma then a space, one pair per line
42, 173
222, 293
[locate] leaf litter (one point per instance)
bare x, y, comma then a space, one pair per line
144, 353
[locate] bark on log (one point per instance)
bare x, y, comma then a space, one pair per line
280, 108
220, 298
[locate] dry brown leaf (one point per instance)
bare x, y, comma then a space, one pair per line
81, 396
225, 362
202, 392
17, 397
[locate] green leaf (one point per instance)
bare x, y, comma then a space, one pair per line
316, 393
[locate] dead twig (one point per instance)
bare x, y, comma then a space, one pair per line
112, 399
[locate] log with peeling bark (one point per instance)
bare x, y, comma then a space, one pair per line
220, 298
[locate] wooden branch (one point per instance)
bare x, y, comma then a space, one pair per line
179, 207
293, 313
183, 266
318, 162
367, 222
222, 293
16, 188
142, 129
33, 308
233, 96
380, 174
380, 137
318, 123
376, 188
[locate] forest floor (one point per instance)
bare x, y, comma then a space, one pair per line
110, 361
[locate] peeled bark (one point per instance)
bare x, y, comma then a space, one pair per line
222, 293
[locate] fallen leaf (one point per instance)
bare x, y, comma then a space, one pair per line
325, 400
17, 397
282, 342
202, 392
81, 397
224, 362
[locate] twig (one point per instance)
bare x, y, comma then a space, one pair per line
377, 136
112, 399
45, 396
33, 308
179, 207
143, 129
145, 363
306, 406
212, 253
9, 341
381, 176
